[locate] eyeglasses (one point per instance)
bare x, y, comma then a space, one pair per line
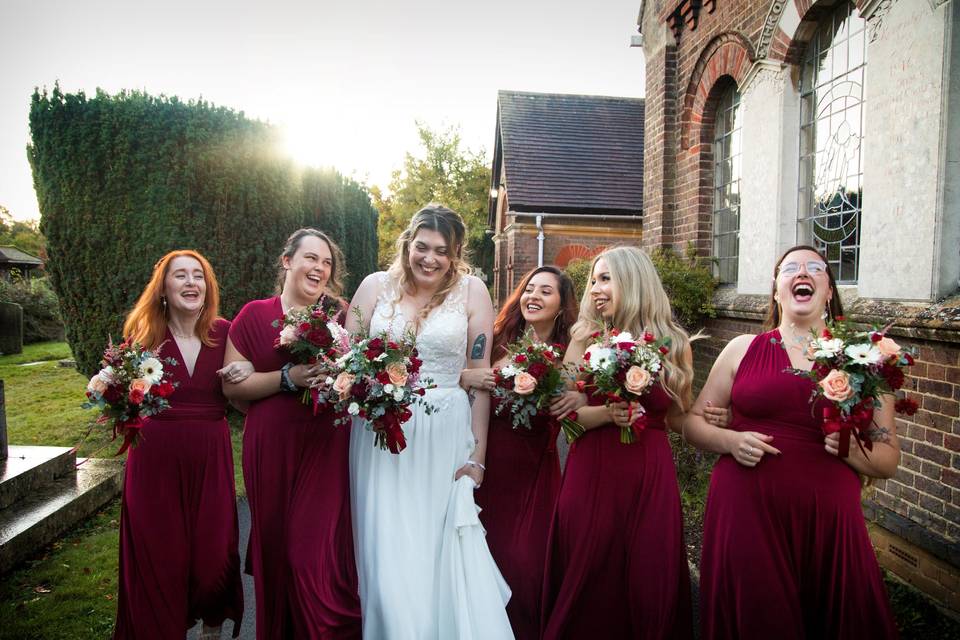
814, 268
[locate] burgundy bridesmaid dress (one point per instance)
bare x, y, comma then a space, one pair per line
616, 565
786, 552
517, 499
178, 522
295, 471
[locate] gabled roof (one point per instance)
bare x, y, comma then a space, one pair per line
15, 256
570, 153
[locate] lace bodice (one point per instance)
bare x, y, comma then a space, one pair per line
442, 340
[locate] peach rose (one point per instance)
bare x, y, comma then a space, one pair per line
888, 347
140, 385
343, 384
836, 386
637, 379
97, 385
397, 373
524, 383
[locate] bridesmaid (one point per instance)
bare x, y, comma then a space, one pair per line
523, 469
178, 523
295, 464
616, 565
786, 552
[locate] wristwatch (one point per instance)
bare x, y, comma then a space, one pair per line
286, 384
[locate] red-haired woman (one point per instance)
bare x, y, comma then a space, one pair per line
522, 479
295, 464
178, 524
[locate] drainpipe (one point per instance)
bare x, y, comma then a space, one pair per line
540, 238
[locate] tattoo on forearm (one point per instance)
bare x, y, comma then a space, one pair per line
479, 346
879, 434
471, 396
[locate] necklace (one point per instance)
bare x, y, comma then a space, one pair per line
180, 335
799, 342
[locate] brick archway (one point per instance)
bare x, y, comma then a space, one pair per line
571, 252
790, 25
729, 54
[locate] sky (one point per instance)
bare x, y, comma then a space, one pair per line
346, 80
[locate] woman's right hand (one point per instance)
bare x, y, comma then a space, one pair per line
749, 447
481, 378
567, 402
717, 416
300, 375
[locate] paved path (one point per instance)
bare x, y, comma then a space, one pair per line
248, 630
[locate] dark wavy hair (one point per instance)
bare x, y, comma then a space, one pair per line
510, 325
835, 306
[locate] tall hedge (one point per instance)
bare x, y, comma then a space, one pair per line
123, 179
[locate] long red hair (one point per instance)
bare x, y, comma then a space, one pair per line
147, 321
509, 325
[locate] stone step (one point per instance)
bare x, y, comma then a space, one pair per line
46, 514
29, 468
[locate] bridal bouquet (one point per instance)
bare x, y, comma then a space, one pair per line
312, 335
378, 380
130, 386
620, 368
852, 369
532, 379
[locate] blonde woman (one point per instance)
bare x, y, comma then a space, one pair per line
400, 501
616, 566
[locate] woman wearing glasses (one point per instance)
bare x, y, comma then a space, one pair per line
786, 552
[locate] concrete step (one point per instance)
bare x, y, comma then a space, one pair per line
29, 468
46, 514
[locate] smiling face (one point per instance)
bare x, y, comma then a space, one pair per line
184, 285
308, 270
603, 292
801, 291
429, 258
540, 301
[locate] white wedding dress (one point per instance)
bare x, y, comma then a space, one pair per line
400, 501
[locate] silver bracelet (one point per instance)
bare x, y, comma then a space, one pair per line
476, 464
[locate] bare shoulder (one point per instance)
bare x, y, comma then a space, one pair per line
734, 351
476, 289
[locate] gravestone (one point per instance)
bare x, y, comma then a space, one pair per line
3, 425
11, 328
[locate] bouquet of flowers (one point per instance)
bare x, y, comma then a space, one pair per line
852, 369
533, 377
621, 368
312, 335
378, 380
130, 386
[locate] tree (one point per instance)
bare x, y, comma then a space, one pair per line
453, 176
25, 236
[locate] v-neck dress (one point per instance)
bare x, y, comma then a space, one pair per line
786, 553
295, 472
178, 526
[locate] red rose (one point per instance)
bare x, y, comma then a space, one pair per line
840, 318
893, 375
586, 356
664, 350
876, 336
320, 338
304, 327
421, 391
549, 356
581, 385
392, 345
520, 358
906, 406
135, 396
909, 359
376, 343
164, 389
537, 370
415, 364
594, 335
648, 337
113, 394
614, 332
383, 377
826, 334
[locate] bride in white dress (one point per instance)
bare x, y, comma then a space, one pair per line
400, 501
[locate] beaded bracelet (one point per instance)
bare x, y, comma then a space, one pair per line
476, 464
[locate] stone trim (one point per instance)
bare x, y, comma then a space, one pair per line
912, 532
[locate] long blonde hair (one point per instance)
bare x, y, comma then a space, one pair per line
449, 224
641, 305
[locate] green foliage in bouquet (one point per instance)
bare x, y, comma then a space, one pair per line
122, 179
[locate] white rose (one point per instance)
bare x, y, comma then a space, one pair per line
824, 348
353, 409
151, 370
288, 335
388, 388
508, 371
106, 374
625, 336
398, 395
329, 380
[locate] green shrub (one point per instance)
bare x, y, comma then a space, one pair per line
123, 179
687, 279
41, 309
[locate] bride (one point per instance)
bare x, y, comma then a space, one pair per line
400, 501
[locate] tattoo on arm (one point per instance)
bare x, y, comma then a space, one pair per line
471, 396
479, 346
879, 434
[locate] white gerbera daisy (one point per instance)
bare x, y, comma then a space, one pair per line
863, 354
151, 370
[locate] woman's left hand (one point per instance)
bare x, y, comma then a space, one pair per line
832, 443
236, 372
566, 402
472, 470
717, 416
623, 414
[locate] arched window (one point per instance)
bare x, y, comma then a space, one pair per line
726, 186
831, 139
